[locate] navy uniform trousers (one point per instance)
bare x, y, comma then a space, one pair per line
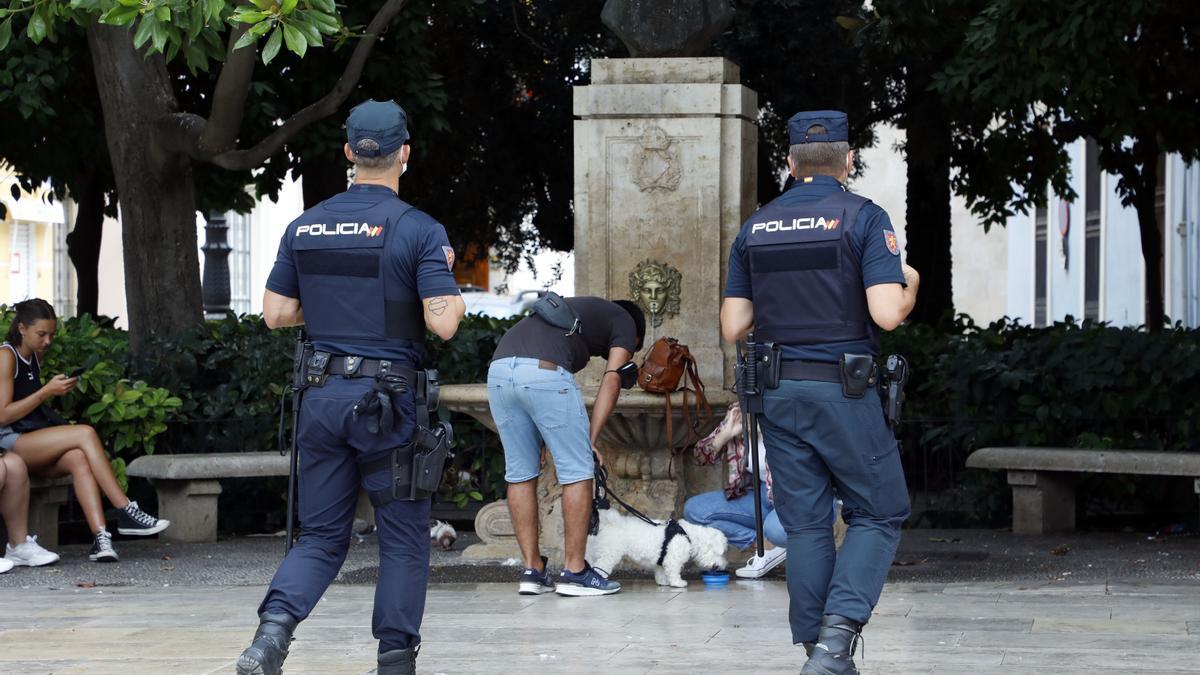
331, 443
818, 440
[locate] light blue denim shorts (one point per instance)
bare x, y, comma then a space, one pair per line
535, 406
8, 438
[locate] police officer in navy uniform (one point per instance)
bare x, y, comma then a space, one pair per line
366, 274
818, 271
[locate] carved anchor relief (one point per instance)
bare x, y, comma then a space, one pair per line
656, 166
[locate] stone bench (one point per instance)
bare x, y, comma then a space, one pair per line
45, 497
1043, 479
188, 486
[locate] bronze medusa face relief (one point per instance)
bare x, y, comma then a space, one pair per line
655, 287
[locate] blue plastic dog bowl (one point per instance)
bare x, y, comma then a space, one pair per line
715, 578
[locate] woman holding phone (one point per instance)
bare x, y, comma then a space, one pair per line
52, 447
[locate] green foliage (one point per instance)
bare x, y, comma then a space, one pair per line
230, 374
1037, 66
128, 414
189, 27
1070, 385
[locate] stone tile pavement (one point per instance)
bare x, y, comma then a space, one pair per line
981, 628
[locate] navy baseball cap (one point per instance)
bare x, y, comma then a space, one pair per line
384, 122
837, 127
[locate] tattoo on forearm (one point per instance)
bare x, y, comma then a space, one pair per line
437, 306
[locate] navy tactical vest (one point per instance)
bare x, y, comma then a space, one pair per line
806, 278
348, 284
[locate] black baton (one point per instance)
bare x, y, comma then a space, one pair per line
750, 402
294, 461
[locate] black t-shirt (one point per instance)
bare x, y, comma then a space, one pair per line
605, 325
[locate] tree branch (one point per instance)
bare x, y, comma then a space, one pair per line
229, 97
239, 160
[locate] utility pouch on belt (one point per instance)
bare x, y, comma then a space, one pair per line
858, 373
555, 311
768, 362
316, 368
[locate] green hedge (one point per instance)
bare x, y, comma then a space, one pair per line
1069, 385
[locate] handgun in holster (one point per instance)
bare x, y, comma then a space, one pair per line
895, 375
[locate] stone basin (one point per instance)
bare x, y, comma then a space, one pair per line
643, 470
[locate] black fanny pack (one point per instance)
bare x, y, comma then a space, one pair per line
554, 310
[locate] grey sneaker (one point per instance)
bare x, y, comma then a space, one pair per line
29, 554
102, 549
585, 583
131, 520
533, 582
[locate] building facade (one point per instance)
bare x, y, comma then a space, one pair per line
1083, 258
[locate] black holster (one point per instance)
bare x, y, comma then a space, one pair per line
415, 469
895, 377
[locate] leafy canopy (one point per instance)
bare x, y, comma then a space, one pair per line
191, 28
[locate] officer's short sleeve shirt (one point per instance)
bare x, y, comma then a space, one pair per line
283, 278
432, 258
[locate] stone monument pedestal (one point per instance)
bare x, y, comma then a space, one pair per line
665, 174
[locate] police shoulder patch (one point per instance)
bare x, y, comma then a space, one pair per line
449, 252
889, 238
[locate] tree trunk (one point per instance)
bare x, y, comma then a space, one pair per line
928, 211
83, 243
154, 184
1151, 236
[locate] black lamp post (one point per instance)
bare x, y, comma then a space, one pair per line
216, 266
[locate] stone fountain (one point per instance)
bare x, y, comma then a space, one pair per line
665, 160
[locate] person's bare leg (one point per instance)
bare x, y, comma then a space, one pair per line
42, 449
75, 465
523, 507
14, 498
577, 511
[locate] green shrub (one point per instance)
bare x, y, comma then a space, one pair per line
1069, 385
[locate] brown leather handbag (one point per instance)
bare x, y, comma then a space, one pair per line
668, 367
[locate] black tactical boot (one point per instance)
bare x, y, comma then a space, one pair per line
266, 653
398, 662
834, 652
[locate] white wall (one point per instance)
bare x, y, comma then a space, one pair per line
1022, 236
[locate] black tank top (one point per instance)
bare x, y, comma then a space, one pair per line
28, 377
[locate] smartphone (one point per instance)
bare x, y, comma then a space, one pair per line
77, 372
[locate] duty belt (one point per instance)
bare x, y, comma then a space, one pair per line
357, 366
818, 371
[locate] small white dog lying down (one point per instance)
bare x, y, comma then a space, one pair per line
625, 537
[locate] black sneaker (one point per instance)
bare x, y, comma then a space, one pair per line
533, 582
102, 548
134, 521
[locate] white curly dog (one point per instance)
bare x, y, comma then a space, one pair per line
624, 537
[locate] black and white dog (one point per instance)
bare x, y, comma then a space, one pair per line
664, 548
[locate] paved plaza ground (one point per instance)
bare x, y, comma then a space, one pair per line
973, 602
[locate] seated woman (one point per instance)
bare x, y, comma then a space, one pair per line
21, 548
50, 446
732, 510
